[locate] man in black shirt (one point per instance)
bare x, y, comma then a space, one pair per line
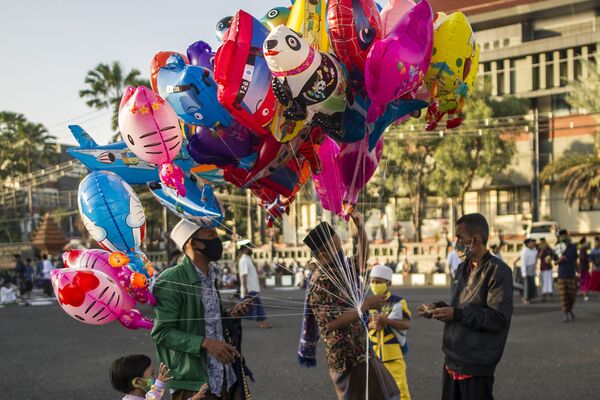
477, 321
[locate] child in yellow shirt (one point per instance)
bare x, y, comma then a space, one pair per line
388, 326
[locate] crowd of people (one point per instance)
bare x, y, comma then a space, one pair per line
573, 262
18, 285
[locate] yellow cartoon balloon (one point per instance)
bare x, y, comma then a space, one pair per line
453, 69
308, 17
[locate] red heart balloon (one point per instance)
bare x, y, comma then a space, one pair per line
86, 281
71, 295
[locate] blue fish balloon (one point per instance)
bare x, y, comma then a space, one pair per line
192, 91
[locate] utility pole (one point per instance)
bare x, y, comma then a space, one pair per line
248, 215
535, 184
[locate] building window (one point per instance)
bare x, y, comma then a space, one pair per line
500, 82
436, 209
535, 73
549, 71
587, 205
563, 68
486, 46
513, 77
496, 44
577, 63
513, 201
506, 43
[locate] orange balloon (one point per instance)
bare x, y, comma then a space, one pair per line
138, 280
158, 61
117, 260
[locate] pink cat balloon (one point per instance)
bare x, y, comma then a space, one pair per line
392, 12
397, 64
98, 260
328, 183
94, 298
150, 127
357, 166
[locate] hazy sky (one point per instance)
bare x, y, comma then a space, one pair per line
47, 47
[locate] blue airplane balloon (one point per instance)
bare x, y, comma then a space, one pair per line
117, 158
200, 205
192, 92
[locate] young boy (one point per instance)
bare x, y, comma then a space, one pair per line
388, 326
338, 321
132, 376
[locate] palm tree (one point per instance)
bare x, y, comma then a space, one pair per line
106, 84
580, 173
24, 145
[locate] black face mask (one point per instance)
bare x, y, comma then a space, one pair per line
213, 248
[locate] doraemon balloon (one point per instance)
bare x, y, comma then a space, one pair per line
310, 84
200, 206
397, 65
92, 297
150, 127
192, 92
113, 215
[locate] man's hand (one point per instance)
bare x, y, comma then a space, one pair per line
426, 310
380, 321
223, 352
241, 309
358, 218
201, 394
373, 303
444, 314
372, 324
164, 373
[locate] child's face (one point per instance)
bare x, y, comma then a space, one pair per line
380, 280
149, 372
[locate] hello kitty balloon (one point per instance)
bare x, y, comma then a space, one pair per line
150, 128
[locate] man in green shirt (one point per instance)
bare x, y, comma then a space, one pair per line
188, 330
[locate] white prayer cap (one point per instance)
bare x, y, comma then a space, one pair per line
182, 232
383, 272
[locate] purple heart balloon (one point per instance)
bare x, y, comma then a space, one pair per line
222, 146
200, 53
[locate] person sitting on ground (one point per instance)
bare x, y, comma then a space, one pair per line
439, 266
330, 314
8, 293
229, 279
388, 326
132, 376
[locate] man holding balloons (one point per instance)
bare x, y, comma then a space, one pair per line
190, 336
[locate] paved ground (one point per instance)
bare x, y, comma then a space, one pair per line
47, 355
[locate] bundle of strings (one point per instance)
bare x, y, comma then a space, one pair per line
309, 335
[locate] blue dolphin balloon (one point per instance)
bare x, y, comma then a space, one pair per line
192, 91
117, 158
200, 205
113, 215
